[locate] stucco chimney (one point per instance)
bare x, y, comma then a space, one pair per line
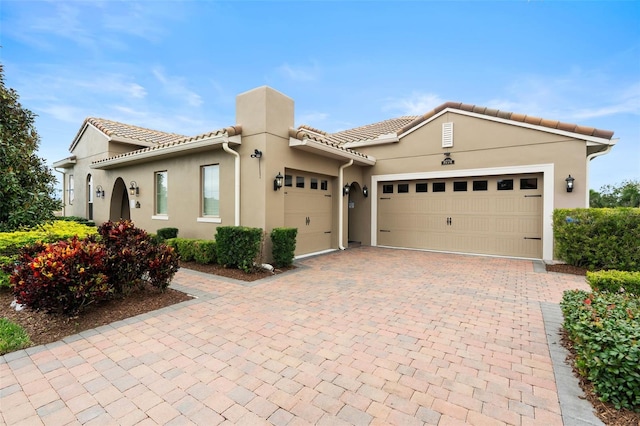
264, 110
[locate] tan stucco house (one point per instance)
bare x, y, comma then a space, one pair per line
460, 178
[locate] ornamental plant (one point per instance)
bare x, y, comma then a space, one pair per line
238, 246
133, 257
605, 331
64, 277
284, 246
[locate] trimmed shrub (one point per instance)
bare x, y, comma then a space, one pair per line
238, 246
205, 251
615, 281
78, 219
605, 331
598, 239
162, 266
61, 277
167, 233
284, 246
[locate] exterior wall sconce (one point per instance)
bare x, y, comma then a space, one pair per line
365, 191
133, 188
345, 190
569, 181
256, 154
99, 192
277, 182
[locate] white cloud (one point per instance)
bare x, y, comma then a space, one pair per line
299, 73
176, 86
312, 118
414, 104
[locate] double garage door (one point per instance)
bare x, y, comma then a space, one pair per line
308, 202
498, 215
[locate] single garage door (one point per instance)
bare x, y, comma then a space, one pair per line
499, 215
308, 207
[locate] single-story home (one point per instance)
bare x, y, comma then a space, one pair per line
460, 178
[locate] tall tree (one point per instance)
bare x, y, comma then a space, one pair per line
26, 183
626, 194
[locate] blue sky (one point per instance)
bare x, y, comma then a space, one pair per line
177, 65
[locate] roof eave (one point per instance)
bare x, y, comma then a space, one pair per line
587, 138
65, 163
380, 140
166, 151
320, 148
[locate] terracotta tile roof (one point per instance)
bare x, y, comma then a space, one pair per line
401, 125
116, 129
370, 131
303, 133
184, 140
522, 118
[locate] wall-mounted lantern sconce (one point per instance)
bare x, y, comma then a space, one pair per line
345, 190
256, 154
133, 188
365, 191
277, 182
99, 191
569, 181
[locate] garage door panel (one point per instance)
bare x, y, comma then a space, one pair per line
490, 221
310, 211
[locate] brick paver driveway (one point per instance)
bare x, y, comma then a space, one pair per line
365, 336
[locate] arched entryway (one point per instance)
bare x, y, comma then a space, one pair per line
89, 198
119, 206
357, 225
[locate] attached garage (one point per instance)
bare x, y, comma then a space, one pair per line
497, 215
308, 200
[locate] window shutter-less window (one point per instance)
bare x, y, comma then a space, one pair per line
447, 135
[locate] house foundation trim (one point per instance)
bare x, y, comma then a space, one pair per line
547, 205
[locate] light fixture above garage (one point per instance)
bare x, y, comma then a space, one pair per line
365, 191
345, 190
277, 182
133, 188
569, 181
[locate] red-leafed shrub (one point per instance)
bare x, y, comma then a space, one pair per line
133, 257
61, 277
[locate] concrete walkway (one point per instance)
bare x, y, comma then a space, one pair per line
365, 336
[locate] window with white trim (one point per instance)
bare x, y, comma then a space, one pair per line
71, 194
161, 191
210, 190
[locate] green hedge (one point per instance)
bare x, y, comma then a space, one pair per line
615, 281
238, 246
201, 251
598, 238
167, 233
205, 252
605, 331
284, 246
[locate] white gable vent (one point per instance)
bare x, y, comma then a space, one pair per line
447, 135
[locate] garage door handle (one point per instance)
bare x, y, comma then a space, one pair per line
531, 196
385, 230
327, 232
532, 238
385, 198
449, 221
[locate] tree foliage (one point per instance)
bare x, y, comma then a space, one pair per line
26, 183
627, 194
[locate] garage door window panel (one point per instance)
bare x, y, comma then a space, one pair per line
299, 182
403, 188
421, 187
480, 185
529, 183
439, 187
387, 189
460, 186
505, 185
288, 180
313, 183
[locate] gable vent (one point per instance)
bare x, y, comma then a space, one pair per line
447, 135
